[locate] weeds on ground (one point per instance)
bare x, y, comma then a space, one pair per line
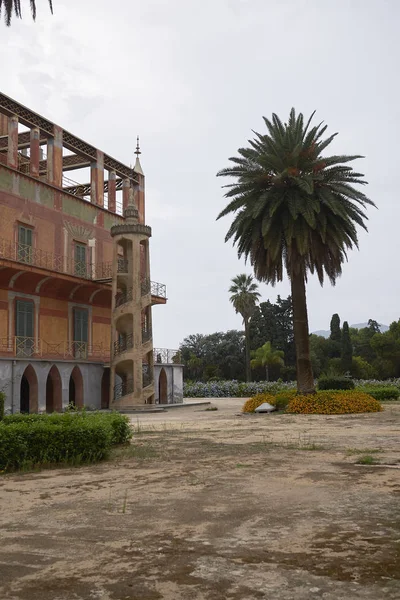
367, 459
127, 451
211, 408
353, 451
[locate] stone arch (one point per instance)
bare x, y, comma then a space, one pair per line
29, 391
76, 387
105, 389
53, 391
163, 387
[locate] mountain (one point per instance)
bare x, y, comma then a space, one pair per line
326, 333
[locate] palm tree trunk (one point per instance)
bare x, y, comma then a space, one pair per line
305, 378
247, 339
266, 373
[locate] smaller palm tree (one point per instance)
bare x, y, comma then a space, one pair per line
10, 5
266, 357
244, 298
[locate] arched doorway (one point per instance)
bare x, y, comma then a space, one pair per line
29, 391
162, 387
76, 388
53, 391
105, 389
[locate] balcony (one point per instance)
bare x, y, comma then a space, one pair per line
166, 356
146, 334
124, 343
123, 298
28, 347
97, 273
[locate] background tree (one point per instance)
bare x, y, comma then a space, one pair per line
274, 322
266, 357
346, 350
335, 337
244, 298
15, 5
295, 211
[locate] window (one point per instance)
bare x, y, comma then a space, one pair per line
25, 244
80, 334
24, 336
80, 260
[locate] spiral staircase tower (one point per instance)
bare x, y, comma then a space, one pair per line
132, 370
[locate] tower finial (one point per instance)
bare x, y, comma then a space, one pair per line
137, 151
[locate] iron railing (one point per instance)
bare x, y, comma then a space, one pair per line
147, 378
146, 334
123, 389
145, 286
28, 347
167, 356
124, 343
158, 289
35, 257
123, 298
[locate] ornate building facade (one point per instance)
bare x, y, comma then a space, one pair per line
61, 289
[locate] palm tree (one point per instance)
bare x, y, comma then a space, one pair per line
266, 357
244, 298
295, 210
9, 5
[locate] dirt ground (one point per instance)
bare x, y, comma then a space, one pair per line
214, 505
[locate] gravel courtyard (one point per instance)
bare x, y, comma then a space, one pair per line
214, 505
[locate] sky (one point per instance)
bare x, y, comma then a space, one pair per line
194, 78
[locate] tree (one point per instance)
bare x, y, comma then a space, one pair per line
335, 338
265, 357
295, 211
346, 355
244, 298
274, 322
10, 5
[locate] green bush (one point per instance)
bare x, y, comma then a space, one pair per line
382, 393
335, 383
28, 440
30, 444
2, 399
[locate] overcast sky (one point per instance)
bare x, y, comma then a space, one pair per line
193, 78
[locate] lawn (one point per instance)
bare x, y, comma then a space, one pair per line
214, 505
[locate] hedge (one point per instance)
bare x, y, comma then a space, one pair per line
382, 393
335, 383
33, 440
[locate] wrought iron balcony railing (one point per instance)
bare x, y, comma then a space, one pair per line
147, 378
25, 254
124, 343
146, 334
145, 286
27, 347
123, 298
123, 389
167, 356
158, 289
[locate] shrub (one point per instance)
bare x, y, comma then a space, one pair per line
118, 424
382, 393
232, 389
29, 444
252, 403
334, 403
335, 383
2, 400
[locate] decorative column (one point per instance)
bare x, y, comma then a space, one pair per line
3, 124
112, 191
35, 152
132, 372
140, 191
126, 186
97, 180
12, 154
55, 157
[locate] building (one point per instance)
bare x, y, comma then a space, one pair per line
56, 268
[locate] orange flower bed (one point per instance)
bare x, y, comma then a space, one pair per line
334, 403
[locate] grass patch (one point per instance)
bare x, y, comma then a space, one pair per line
367, 459
129, 451
211, 408
354, 451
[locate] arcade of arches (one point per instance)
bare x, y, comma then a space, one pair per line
29, 400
